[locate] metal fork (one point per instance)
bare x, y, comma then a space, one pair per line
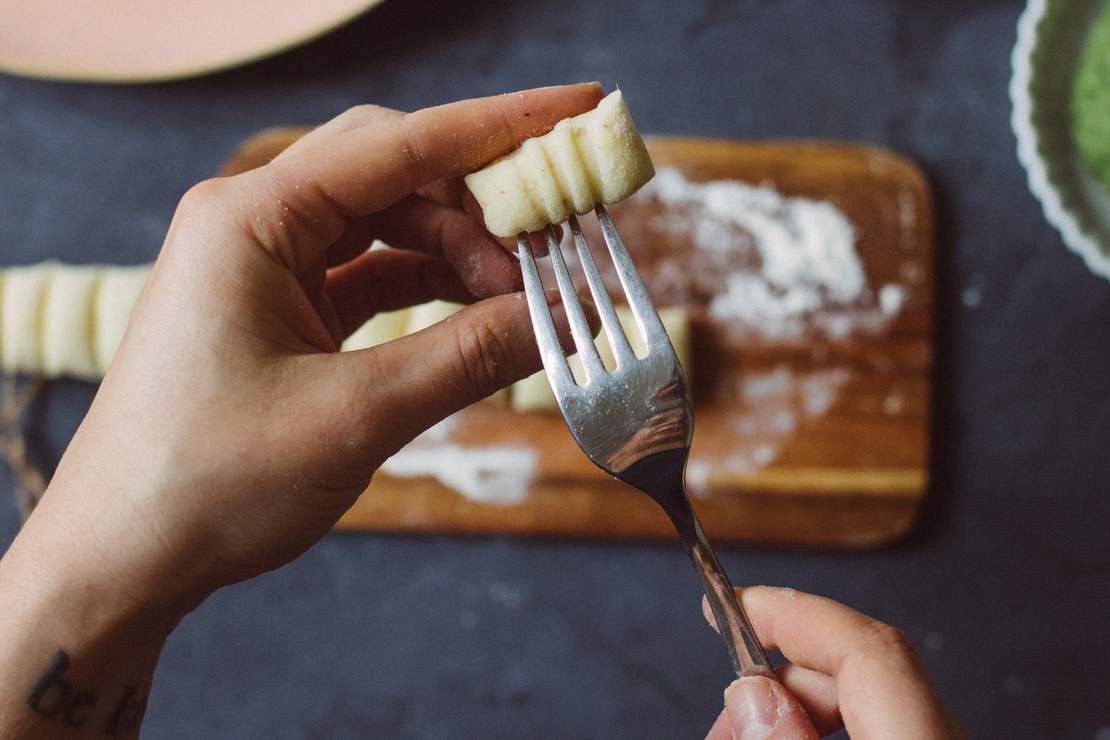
635, 422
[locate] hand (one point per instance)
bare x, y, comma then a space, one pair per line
845, 670
229, 435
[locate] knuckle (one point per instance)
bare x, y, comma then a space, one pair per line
202, 196
413, 149
356, 115
883, 639
486, 356
201, 205
362, 111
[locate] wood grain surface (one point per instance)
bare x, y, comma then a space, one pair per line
773, 466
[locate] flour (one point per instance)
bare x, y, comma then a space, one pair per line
818, 392
891, 298
972, 297
697, 476
496, 474
775, 384
777, 260
775, 403
893, 404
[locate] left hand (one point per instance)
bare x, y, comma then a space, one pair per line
229, 435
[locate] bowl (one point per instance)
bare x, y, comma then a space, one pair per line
1050, 40
130, 41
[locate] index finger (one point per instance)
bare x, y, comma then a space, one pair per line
816, 632
880, 679
358, 171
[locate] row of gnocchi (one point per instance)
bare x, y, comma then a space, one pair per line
67, 321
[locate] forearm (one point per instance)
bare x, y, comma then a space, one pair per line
76, 653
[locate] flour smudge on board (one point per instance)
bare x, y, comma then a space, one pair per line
767, 263
495, 474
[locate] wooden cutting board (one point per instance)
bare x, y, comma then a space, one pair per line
816, 438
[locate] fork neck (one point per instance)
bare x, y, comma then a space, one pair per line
661, 477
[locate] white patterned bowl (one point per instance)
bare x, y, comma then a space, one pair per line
1049, 41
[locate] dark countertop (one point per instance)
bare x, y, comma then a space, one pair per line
1005, 586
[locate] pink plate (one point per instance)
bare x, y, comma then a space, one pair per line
146, 40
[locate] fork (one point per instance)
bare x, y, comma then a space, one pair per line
636, 422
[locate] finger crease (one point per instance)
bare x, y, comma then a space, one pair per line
414, 153
482, 352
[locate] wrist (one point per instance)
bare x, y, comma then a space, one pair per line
77, 656
122, 530
89, 576
81, 603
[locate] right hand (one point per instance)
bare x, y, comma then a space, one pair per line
846, 670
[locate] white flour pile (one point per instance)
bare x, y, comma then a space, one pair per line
771, 261
492, 475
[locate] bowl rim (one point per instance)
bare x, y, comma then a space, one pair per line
59, 72
1028, 140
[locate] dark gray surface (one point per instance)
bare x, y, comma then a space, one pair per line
1006, 585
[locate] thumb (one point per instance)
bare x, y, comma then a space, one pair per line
760, 707
422, 378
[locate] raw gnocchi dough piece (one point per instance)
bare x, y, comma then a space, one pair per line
534, 392
67, 322
562, 151
542, 189
384, 327
116, 295
21, 317
596, 157
676, 320
426, 314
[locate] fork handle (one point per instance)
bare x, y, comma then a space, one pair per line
747, 654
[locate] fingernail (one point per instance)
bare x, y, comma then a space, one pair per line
555, 302
539, 244
562, 323
754, 706
592, 316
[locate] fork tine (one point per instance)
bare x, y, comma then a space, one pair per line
651, 327
554, 361
622, 350
579, 327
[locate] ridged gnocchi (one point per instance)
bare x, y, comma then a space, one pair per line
596, 157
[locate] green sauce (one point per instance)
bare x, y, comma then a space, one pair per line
1090, 102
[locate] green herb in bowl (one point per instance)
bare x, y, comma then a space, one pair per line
1090, 101
1056, 107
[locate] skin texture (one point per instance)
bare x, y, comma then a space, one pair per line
845, 670
229, 435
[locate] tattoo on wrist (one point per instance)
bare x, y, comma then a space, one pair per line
56, 697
